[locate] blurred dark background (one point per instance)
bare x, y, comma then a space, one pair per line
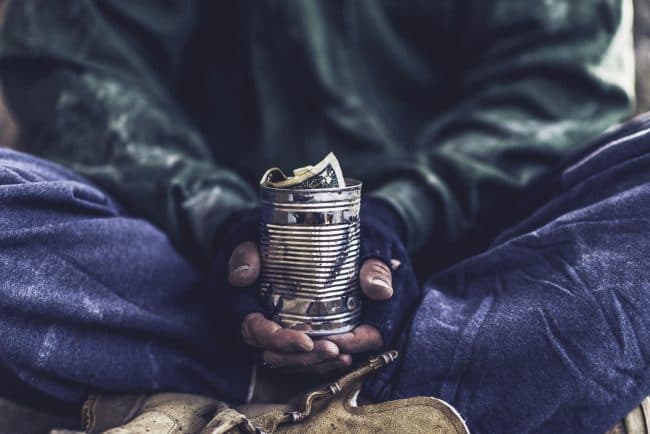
642, 44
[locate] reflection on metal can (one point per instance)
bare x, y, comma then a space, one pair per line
310, 242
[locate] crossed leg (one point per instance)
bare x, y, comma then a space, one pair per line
549, 329
94, 300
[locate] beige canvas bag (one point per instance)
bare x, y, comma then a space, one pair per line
330, 409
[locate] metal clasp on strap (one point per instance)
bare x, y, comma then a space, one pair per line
337, 387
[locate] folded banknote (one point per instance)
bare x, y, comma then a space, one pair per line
324, 174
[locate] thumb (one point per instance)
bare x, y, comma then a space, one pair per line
376, 280
244, 264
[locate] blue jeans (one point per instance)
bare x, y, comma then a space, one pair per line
548, 330
92, 299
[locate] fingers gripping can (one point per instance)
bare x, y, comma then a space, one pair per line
310, 241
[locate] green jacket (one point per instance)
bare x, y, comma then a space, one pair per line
445, 108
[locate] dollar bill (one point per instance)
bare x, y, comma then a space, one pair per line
326, 173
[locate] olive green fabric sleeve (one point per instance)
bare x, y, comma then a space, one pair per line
88, 81
538, 80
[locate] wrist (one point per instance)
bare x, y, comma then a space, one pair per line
240, 227
382, 231
234, 304
379, 211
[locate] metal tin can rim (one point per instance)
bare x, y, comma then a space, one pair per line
351, 184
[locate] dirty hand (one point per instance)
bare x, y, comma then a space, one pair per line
285, 347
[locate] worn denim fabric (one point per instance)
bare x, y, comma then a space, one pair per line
549, 329
546, 331
91, 299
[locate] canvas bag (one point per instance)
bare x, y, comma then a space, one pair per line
329, 409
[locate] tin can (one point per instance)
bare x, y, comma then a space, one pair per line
310, 244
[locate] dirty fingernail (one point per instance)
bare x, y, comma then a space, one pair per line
346, 359
379, 282
330, 349
244, 267
306, 346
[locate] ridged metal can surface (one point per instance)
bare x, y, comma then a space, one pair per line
309, 243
